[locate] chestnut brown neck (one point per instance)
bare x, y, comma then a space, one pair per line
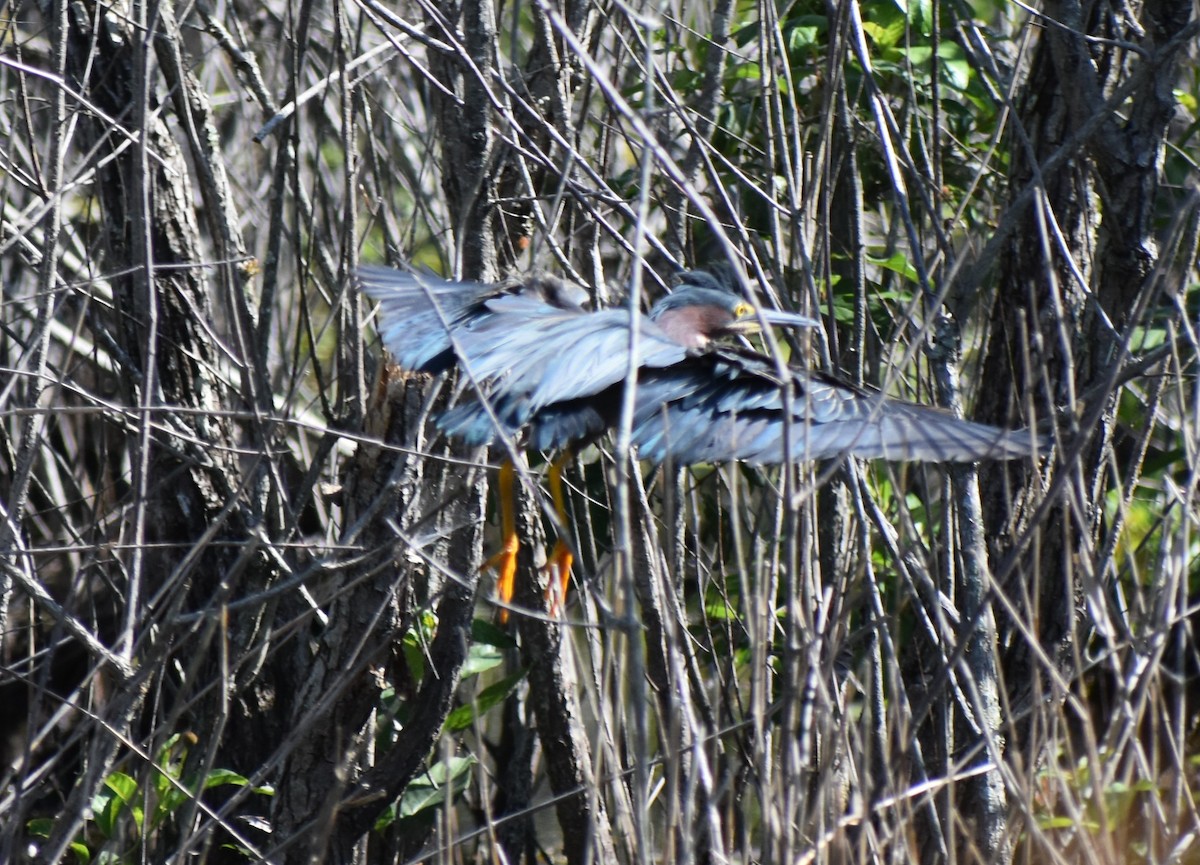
693, 326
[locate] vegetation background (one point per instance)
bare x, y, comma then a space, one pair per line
240, 595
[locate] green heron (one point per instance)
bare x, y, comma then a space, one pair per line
551, 376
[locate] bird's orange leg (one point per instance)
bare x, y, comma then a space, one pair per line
561, 558
504, 562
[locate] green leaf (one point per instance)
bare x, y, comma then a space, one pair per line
917, 13
885, 36
414, 643
920, 15
886, 23
803, 39
40, 827
118, 791
686, 79
955, 70
1056, 823
896, 263
168, 802
218, 777
122, 785
430, 789
743, 36
955, 67
177, 747
387, 818
492, 695
717, 610
484, 631
480, 658
1146, 338
747, 71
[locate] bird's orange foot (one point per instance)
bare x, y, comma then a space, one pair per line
504, 563
559, 565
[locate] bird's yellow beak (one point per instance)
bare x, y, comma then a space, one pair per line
747, 319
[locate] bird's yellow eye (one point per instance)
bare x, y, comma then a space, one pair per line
743, 310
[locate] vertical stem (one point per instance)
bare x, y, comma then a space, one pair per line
636, 680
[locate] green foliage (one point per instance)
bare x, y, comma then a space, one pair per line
490, 697
429, 791
131, 813
415, 644
487, 652
1080, 805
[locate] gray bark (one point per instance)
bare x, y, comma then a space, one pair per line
1100, 201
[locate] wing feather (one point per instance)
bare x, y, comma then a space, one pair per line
729, 405
537, 369
420, 313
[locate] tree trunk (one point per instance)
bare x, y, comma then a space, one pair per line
1073, 271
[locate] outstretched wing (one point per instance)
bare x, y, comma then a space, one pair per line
419, 312
730, 405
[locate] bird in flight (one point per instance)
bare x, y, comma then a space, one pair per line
550, 375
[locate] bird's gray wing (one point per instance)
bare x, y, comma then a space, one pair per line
419, 313
548, 364
730, 405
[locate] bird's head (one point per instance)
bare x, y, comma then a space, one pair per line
702, 308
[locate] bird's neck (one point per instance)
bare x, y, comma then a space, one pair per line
684, 326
